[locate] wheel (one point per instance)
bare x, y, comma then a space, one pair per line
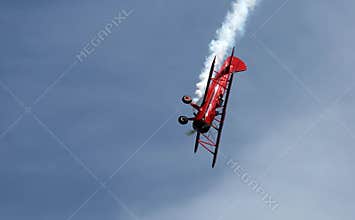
183, 120
186, 99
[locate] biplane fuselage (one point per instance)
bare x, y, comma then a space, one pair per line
214, 97
212, 111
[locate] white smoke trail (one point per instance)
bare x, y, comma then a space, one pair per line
232, 27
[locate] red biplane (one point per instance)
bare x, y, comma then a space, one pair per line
212, 111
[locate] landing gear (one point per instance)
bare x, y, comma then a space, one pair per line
186, 99
183, 120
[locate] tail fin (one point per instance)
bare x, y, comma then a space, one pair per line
237, 65
233, 64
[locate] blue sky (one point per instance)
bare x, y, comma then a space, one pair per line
99, 139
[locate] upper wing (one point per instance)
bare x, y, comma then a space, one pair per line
209, 80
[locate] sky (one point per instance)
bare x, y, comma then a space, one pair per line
97, 137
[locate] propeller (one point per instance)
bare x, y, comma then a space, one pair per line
190, 132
